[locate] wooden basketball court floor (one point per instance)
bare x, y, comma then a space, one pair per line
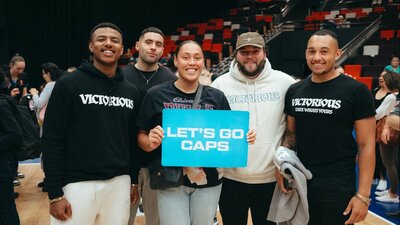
33, 206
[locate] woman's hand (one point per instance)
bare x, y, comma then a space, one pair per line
34, 91
155, 137
251, 137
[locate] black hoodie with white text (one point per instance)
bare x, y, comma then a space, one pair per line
89, 131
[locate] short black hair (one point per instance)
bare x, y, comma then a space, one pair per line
151, 30
325, 32
104, 24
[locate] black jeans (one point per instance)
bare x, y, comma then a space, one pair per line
326, 208
237, 197
8, 210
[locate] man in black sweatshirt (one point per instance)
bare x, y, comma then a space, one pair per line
89, 137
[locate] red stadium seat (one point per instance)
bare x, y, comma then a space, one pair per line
217, 47
387, 34
366, 80
353, 70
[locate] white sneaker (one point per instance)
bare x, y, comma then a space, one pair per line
388, 199
382, 185
382, 193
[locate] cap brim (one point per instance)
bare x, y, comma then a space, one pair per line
250, 44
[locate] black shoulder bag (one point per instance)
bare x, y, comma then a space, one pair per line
164, 177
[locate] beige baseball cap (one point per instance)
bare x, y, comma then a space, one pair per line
250, 38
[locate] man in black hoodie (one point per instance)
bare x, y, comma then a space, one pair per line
89, 137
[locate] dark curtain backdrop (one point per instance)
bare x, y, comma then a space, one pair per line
58, 30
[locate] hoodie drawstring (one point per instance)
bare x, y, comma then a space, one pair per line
249, 98
255, 105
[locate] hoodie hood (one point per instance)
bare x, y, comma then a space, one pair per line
90, 69
235, 72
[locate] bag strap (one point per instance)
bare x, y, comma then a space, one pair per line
197, 97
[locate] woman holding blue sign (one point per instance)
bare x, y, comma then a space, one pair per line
195, 201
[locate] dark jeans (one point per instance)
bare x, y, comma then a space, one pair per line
326, 208
379, 167
237, 197
8, 210
388, 154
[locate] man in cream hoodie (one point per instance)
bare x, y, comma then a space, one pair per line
252, 85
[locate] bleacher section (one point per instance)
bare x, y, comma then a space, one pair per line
217, 36
378, 50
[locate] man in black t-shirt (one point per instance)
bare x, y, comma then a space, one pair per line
322, 111
145, 74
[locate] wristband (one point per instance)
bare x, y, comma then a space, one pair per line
51, 201
362, 198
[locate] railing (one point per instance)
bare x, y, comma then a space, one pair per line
351, 47
289, 6
223, 66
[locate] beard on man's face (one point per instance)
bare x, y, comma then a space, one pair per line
260, 67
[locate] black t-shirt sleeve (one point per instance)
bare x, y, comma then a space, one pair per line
288, 100
363, 103
224, 103
146, 113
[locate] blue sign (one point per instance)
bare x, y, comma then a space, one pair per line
204, 138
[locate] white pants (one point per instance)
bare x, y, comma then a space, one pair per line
98, 202
149, 200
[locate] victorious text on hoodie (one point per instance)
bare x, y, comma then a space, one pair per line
89, 132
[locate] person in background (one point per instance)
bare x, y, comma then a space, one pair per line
205, 77
194, 202
322, 111
17, 77
389, 151
10, 136
164, 60
379, 94
50, 74
341, 22
145, 74
88, 154
18, 88
393, 125
394, 66
252, 85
